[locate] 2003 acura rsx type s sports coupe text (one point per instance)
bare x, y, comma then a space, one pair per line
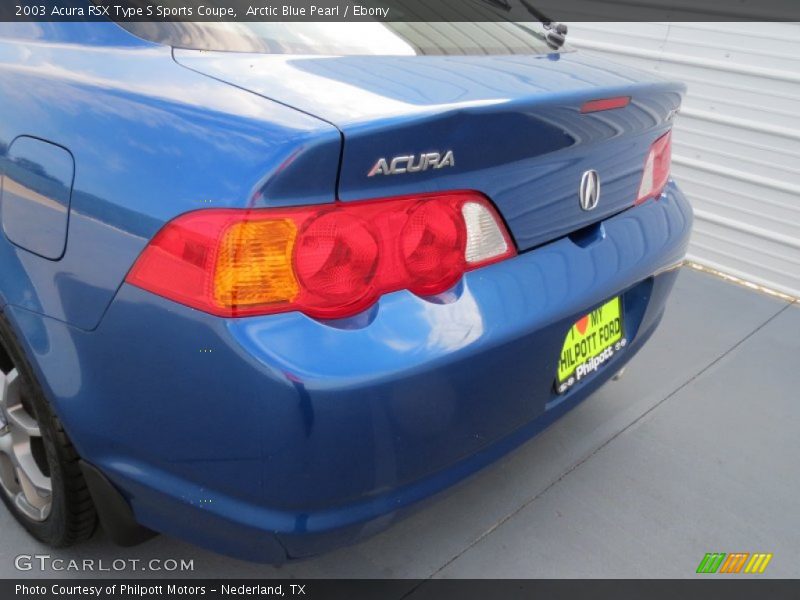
266, 294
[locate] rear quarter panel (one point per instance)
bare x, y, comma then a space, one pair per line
150, 140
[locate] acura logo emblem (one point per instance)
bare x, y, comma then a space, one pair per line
590, 190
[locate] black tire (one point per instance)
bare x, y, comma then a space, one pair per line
72, 516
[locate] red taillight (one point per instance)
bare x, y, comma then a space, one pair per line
656, 169
328, 261
335, 260
432, 246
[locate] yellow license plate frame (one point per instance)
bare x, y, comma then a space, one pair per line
590, 343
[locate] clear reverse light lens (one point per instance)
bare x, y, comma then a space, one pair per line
485, 239
656, 169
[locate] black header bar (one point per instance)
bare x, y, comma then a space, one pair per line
399, 10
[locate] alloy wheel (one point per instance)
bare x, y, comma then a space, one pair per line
24, 470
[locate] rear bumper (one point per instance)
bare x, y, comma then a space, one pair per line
269, 436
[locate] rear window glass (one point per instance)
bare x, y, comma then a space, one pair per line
350, 38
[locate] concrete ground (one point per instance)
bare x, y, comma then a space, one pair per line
695, 450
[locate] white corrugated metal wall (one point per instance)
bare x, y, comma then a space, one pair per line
736, 143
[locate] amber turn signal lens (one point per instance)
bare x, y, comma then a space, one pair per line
254, 264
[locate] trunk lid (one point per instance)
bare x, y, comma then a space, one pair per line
512, 123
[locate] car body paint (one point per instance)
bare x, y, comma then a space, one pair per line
282, 436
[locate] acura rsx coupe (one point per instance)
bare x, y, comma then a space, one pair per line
265, 287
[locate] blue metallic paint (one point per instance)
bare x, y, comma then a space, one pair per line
151, 140
283, 435
513, 123
293, 426
35, 196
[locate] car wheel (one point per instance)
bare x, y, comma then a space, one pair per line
40, 478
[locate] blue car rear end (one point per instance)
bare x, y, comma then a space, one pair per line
275, 436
